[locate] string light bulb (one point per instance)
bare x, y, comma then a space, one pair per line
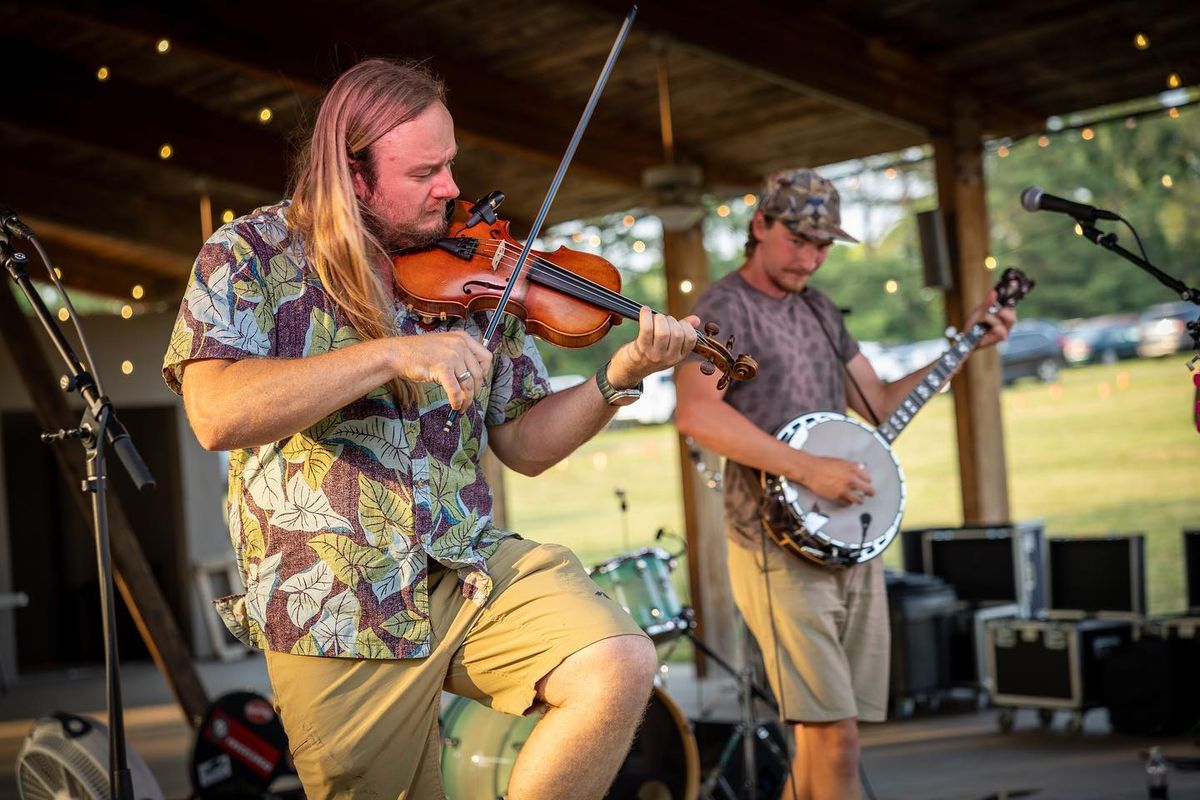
165, 152
1078, 229
1173, 80
265, 114
639, 246
628, 220
1087, 134
1002, 151
891, 287
1173, 113
126, 311
1168, 181
1141, 41
102, 73
227, 216
63, 315
127, 367
722, 210
890, 173
163, 46
686, 286
138, 292
1043, 141
749, 200
990, 262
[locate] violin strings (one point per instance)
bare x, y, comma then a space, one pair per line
586, 289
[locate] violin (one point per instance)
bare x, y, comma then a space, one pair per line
566, 297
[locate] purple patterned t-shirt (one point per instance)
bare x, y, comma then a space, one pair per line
801, 344
334, 527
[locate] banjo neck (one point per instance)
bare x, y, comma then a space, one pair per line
960, 347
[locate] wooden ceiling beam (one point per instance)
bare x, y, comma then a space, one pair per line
135, 121
72, 198
514, 118
818, 55
103, 270
805, 52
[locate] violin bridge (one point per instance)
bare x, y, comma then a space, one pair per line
499, 255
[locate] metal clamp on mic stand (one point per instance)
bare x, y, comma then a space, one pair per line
98, 427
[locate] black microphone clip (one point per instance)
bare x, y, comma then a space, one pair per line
11, 224
484, 209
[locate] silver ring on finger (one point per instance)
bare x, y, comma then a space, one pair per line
464, 376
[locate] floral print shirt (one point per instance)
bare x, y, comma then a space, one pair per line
334, 527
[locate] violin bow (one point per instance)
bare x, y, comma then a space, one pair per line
569, 154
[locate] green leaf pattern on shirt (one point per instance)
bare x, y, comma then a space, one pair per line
333, 538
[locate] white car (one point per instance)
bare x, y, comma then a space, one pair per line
657, 403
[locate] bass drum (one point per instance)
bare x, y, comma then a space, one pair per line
480, 745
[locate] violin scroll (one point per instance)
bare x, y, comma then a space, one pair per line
720, 357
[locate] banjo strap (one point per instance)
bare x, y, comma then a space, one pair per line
838, 353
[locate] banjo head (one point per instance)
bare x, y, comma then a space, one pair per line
827, 531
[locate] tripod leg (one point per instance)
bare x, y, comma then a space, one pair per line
758, 691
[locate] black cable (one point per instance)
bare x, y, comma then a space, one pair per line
1136, 238
838, 353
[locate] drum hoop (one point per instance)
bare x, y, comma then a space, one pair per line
616, 561
691, 750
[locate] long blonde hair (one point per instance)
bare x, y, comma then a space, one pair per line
365, 102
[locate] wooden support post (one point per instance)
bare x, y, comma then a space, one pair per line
712, 598
133, 576
961, 196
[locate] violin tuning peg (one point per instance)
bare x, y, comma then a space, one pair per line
708, 368
711, 329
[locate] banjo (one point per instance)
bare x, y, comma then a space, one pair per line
839, 535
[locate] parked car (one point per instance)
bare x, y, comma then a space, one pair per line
887, 365
1034, 349
1103, 340
1163, 328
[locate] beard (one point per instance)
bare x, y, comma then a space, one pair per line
399, 237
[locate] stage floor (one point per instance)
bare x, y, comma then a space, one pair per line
948, 756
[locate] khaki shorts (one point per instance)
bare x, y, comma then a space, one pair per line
369, 728
833, 630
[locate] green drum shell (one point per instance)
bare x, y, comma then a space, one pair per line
479, 747
641, 583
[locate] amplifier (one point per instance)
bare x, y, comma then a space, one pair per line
1150, 687
986, 564
1051, 664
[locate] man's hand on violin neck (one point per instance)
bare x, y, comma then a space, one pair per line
455, 360
662, 342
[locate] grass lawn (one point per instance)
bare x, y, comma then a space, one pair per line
1109, 449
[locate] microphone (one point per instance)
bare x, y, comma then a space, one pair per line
11, 223
1034, 199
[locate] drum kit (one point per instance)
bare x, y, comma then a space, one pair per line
480, 745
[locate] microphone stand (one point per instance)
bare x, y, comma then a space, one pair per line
1189, 293
98, 426
1109, 242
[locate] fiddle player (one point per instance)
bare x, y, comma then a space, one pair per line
375, 577
823, 631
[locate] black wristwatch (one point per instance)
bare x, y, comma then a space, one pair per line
615, 397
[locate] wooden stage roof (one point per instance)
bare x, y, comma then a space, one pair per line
753, 86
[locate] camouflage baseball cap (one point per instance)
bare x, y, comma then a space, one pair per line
804, 201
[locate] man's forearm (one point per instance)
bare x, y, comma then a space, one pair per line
552, 429
254, 401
